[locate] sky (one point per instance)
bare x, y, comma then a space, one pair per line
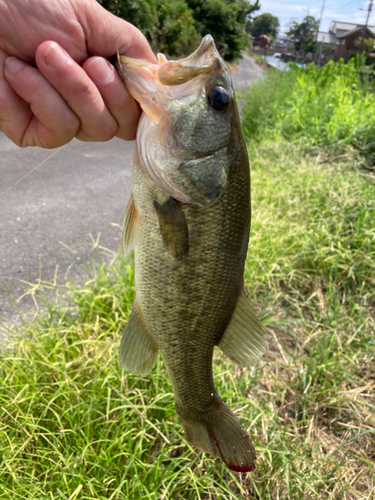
353, 11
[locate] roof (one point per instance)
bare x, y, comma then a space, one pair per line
336, 26
358, 29
264, 37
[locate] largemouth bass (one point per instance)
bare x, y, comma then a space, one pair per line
188, 219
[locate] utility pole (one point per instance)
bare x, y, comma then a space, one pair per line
320, 22
364, 31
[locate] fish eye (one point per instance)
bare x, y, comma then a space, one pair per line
218, 98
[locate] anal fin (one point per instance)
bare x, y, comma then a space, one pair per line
138, 350
245, 339
130, 230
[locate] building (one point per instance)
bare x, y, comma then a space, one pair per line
283, 43
262, 41
343, 39
325, 38
350, 42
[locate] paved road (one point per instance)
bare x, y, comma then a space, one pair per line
46, 220
248, 73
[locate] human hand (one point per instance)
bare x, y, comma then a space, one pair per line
49, 95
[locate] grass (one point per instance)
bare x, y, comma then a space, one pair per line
331, 106
260, 60
73, 425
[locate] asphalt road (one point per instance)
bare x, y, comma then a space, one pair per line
50, 220
248, 73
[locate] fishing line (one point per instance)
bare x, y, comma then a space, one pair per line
28, 173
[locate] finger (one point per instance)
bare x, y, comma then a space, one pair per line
121, 36
15, 113
32, 112
115, 96
78, 91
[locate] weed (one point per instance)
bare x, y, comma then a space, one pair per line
331, 106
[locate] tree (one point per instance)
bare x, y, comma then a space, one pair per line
168, 26
265, 24
367, 46
175, 32
225, 21
304, 34
176, 26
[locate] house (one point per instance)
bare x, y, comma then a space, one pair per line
343, 38
326, 38
262, 41
283, 43
350, 42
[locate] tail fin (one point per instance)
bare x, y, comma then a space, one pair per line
220, 434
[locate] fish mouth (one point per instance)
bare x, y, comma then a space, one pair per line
201, 61
155, 86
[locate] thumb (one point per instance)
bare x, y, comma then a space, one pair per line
106, 34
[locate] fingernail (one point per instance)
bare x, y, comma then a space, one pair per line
100, 71
12, 64
55, 55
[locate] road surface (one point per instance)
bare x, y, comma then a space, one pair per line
50, 220
248, 73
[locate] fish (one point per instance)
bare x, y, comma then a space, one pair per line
188, 221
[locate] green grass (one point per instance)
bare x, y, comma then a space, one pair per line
260, 60
73, 425
331, 106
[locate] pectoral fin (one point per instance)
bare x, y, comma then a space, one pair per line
244, 340
130, 230
173, 227
138, 350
